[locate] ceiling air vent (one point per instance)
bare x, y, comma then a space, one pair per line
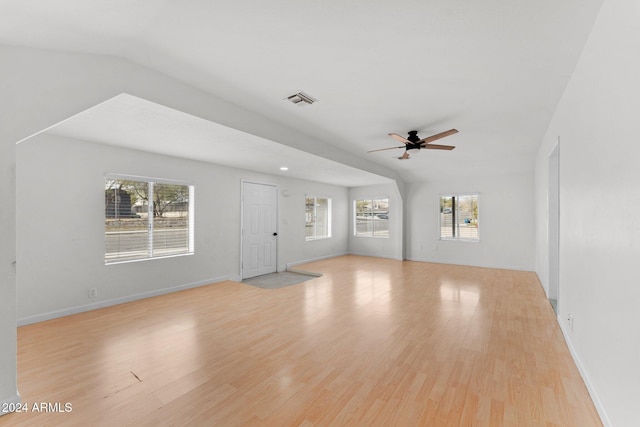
301, 98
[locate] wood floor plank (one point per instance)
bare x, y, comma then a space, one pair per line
370, 342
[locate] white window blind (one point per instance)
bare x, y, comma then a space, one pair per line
318, 218
459, 217
371, 217
147, 218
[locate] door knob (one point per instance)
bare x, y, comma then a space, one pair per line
275, 234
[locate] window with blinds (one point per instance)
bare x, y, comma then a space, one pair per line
317, 218
459, 217
147, 218
371, 218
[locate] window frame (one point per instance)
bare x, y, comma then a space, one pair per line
151, 181
457, 208
373, 231
315, 222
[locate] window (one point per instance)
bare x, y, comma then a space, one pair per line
137, 229
459, 217
371, 218
318, 218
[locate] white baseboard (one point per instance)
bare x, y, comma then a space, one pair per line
585, 377
496, 266
107, 303
373, 255
305, 261
8, 403
305, 272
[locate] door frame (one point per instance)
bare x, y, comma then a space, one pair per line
251, 181
553, 225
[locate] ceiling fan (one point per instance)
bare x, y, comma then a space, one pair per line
413, 142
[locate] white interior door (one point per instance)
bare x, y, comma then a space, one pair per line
259, 229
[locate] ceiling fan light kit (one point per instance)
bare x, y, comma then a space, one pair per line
413, 142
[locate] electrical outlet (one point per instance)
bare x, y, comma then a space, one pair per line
93, 292
570, 320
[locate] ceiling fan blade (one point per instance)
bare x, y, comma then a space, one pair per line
399, 138
438, 136
405, 156
382, 149
437, 147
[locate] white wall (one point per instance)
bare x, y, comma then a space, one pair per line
294, 249
36, 91
60, 225
391, 247
8, 332
506, 222
39, 88
597, 123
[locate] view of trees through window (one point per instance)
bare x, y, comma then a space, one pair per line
317, 218
459, 217
146, 219
372, 218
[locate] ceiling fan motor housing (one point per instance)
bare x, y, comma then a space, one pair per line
413, 136
415, 140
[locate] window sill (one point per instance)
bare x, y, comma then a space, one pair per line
128, 261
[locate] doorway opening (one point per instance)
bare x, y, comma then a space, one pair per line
553, 218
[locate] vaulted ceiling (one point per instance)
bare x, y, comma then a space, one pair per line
493, 69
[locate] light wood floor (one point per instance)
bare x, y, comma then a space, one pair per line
372, 342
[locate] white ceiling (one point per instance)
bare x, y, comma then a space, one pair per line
493, 69
128, 121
